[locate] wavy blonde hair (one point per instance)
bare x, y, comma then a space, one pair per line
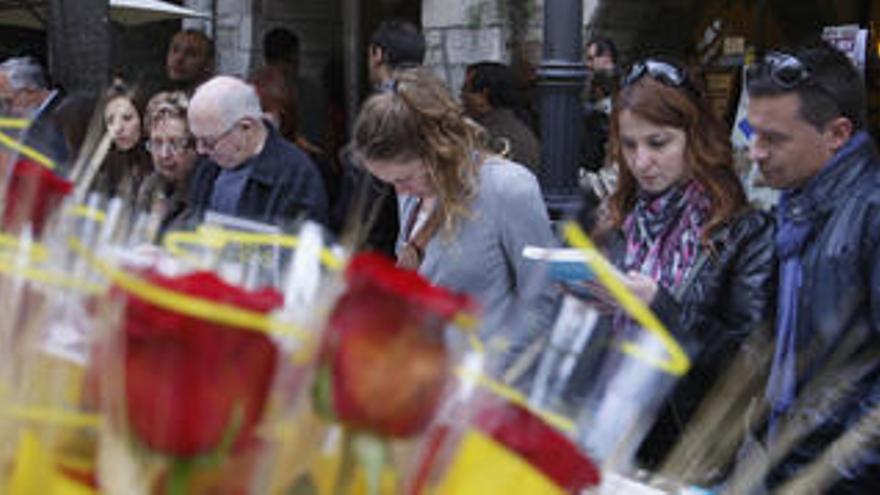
417, 118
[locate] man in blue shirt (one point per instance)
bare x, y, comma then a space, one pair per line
251, 170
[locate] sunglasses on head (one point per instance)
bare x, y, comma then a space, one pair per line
663, 72
785, 70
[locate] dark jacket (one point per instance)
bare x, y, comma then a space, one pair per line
839, 308
367, 208
729, 291
506, 130
282, 185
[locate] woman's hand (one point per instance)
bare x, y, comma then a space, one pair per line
642, 286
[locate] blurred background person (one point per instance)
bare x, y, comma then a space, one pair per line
25, 93
281, 50
280, 106
189, 60
395, 44
491, 96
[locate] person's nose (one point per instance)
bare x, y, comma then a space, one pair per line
642, 158
114, 129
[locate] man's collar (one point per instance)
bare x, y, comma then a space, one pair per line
264, 170
822, 192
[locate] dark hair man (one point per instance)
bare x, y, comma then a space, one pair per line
491, 96
807, 109
395, 44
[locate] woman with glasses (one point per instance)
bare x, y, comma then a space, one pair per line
174, 156
127, 163
466, 213
679, 228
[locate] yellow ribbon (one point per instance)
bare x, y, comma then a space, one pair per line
26, 150
677, 363
10, 245
53, 416
217, 238
14, 123
56, 279
196, 307
83, 211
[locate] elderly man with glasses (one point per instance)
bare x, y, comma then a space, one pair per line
252, 171
807, 110
25, 94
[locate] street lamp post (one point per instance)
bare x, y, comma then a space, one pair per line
560, 80
79, 40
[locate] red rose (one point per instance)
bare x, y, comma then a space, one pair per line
186, 379
384, 363
34, 192
539, 444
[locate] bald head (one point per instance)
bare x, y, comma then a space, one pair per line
226, 119
225, 99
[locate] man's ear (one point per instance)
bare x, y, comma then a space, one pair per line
837, 132
377, 54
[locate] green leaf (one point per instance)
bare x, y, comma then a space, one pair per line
322, 393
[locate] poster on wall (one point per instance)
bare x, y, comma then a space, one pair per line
851, 40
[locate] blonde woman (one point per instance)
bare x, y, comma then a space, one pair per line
466, 213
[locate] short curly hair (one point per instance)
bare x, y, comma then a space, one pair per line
165, 105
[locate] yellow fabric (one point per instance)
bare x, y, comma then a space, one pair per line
483, 466
34, 473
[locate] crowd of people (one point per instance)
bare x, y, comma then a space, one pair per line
450, 189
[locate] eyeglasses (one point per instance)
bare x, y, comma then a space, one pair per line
174, 146
209, 143
664, 72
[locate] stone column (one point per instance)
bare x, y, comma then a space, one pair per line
234, 36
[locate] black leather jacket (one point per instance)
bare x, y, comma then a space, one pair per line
730, 291
839, 308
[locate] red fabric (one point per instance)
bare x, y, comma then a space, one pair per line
539, 444
34, 192
184, 377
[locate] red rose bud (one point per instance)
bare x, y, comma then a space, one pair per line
384, 363
539, 444
190, 383
34, 192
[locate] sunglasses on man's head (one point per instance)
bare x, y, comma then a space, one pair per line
785, 70
663, 72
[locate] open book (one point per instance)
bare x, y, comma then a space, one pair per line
565, 265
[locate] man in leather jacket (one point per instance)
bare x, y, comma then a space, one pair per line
807, 110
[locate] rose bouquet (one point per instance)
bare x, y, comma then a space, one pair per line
384, 365
188, 392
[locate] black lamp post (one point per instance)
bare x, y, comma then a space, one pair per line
560, 80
